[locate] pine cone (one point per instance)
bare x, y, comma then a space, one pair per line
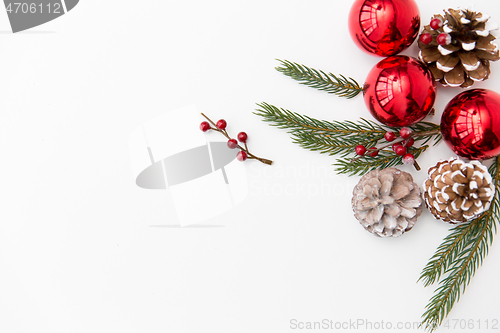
467, 56
387, 202
457, 191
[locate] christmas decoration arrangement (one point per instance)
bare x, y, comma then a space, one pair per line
243, 153
399, 92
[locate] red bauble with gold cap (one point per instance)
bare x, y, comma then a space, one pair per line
471, 124
384, 27
399, 91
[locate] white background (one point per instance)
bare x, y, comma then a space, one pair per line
78, 252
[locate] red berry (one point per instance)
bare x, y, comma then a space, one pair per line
400, 150
241, 156
396, 145
405, 132
360, 149
375, 153
426, 38
443, 39
409, 142
242, 137
221, 124
232, 143
390, 136
205, 126
408, 159
436, 23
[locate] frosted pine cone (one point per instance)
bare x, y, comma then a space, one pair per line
458, 47
387, 202
457, 191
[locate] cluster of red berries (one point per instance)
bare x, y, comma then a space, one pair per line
442, 39
400, 147
231, 143
244, 153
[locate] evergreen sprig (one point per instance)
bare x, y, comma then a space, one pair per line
332, 84
458, 258
341, 138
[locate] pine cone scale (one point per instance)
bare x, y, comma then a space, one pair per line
393, 210
455, 77
430, 55
491, 56
447, 63
438, 75
367, 203
457, 177
484, 193
408, 212
412, 202
469, 60
390, 221
481, 73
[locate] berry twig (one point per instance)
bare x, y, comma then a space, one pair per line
399, 147
244, 153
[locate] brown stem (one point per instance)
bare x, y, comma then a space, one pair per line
263, 160
245, 149
210, 121
436, 131
417, 167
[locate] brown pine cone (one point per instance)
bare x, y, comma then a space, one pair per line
467, 56
457, 191
387, 202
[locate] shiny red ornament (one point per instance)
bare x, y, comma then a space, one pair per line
471, 124
384, 27
399, 91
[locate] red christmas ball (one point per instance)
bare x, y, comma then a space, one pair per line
399, 91
471, 124
384, 27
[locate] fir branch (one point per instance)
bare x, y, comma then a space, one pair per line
332, 84
458, 257
341, 138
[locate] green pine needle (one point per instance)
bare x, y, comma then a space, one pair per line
458, 257
332, 84
341, 138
